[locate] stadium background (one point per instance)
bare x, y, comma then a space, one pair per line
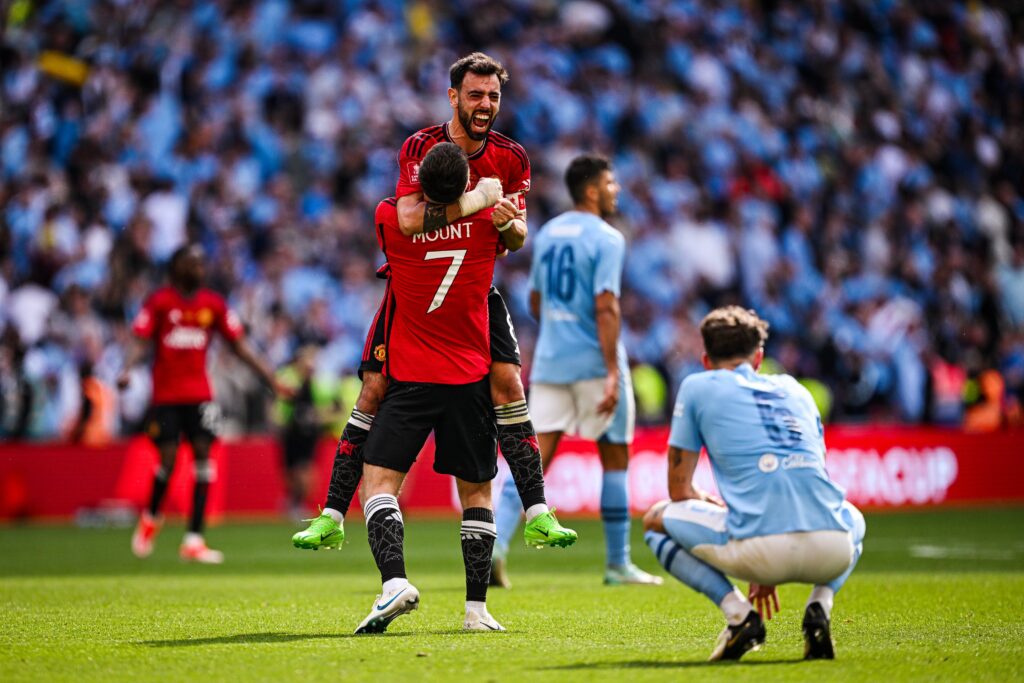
851, 170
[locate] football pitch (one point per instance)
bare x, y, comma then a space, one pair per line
937, 596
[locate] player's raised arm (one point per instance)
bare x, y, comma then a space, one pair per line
417, 215
510, 221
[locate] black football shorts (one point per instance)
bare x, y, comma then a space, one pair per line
504, 345
165, 424
461, 417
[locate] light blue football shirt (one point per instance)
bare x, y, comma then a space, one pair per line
576, 257
767, 449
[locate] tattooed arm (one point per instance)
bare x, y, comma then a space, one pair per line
681, 466
416, 214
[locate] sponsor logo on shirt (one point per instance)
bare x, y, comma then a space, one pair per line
798, 460
185, 338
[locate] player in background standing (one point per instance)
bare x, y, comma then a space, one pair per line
783, 521
180, 319
580, 381
437, 365
495, 162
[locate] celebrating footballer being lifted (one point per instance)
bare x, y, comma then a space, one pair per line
497, 164
439, 357
180, 319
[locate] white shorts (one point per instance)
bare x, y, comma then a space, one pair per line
572, 409
815, 557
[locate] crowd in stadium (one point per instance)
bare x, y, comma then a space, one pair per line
851, 170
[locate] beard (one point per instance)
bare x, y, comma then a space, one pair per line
609, 209
466, 119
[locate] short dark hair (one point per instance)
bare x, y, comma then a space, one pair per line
732, 332
582, 171
444, 173
481, 65
174, 264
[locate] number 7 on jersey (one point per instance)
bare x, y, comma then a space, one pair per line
457, 256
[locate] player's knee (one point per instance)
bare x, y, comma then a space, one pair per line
372, 392
204, 471
168, 455
506, 384
855, 519
474, 495
653, 517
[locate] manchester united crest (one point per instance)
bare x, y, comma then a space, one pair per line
380, 353
204, 317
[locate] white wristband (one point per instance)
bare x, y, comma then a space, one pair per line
503, 228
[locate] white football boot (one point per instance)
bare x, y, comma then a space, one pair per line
629, 574
475, 621
387, 607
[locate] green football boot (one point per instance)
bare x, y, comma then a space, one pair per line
323, 532
544, 530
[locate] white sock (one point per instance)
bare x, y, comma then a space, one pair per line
476, 606
335, 515
534, 510
735, 607
192, 538
822, 595
392, 585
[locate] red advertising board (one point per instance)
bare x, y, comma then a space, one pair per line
880, 467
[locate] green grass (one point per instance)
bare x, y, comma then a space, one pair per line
938, 596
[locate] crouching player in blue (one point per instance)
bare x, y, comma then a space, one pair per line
783, 520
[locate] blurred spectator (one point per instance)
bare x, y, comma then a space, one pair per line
852, 169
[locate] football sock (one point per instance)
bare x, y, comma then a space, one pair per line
477, 534
386, 533
392, 585
735, 607
334, 514
518, 443
476, 606
192, 538
204, 476
509, 512
535, 510
160, 480
822, 595
348, 463
615, 516
698, 575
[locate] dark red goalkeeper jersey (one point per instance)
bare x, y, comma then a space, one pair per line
438, 329
181, 329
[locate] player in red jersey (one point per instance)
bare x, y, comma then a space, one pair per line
439, 356
475, 98
180, 319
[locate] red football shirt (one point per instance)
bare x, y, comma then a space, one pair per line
438, 329
501, 157
181, 328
